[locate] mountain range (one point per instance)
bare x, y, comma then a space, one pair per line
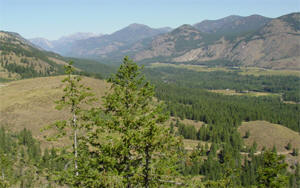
275, 44
253, 41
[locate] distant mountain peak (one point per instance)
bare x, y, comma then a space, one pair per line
232, 17
166, 28
232, 23
137, 25
78, 36
184, 27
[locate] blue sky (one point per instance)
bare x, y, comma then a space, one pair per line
54, 18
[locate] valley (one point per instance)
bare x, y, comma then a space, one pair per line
255, 71
220, 102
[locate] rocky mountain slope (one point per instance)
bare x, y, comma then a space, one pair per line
110, 45
274, 45
232, 24
21, 59
88, 45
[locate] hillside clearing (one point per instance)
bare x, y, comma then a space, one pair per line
269, 135
30, 103
247, 93
255, 71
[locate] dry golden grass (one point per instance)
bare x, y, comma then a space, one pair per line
197, 124
268, 72
249, 93
38, 64
188, 144
243, 70
199, 68
268, 134
30, 103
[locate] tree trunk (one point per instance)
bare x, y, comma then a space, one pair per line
3, 176
147, 169
75, 143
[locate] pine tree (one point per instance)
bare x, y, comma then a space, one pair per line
295, 152
75, 96
289, 146
271, 174
247, 134
130, 141
4, 166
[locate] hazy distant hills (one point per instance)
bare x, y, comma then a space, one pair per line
63, 44
234, 40
105, 45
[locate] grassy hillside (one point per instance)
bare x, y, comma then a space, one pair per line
30, 103
269, 135
20, 59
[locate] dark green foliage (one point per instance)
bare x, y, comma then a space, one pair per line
295, 152
292, 96
289, 85
94, 68
183, 93
76, 95
271, 174
274, 149
129, 140
289, 146
212, 108
171, 128
247, 134
26, 71
3, 80
21, 159
187, 131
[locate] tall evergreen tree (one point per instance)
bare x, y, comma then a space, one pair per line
130, 141
74, 97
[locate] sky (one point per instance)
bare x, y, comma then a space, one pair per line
52, 19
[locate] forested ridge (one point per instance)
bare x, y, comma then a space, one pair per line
126, 144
